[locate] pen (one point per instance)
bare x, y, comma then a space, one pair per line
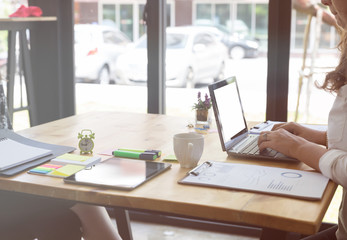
157, 152
137, 155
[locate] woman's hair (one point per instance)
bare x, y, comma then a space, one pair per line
335, 79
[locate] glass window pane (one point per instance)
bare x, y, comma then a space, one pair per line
244, 19
204, 11
300, 25
222, 14
109, 12
142, 26
261, 25
168, 14
126, 19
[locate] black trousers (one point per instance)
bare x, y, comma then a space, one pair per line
25, 216
327, 234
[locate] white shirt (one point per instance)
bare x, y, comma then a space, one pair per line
333, 163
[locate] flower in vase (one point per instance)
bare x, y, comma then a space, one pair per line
202, 105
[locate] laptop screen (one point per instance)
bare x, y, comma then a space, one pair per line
228, 111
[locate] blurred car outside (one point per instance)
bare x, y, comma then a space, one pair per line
97, 48
239, 44
193, 56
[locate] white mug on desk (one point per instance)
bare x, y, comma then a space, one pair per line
188, 148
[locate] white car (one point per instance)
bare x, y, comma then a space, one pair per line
97, 48
192, 56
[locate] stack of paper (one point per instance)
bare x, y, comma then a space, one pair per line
13, 153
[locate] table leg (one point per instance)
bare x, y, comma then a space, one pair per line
123, 223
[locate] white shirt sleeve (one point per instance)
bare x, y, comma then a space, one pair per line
333, 164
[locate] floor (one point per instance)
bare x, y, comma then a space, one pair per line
148, 231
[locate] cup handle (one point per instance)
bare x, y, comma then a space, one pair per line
190, 150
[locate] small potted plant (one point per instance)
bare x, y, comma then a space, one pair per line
202, 108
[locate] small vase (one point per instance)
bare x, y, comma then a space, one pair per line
203, 117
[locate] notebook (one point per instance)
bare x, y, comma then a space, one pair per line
14, 153
234, 135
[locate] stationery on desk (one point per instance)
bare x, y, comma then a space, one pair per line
272, 180
136, 155
14, 153
142, 154
118, 173
16, 147
65, 165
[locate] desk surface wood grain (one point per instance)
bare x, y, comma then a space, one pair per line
163, 193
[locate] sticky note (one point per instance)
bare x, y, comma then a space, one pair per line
73, 157
40, 171
66, 170
170, 157
52, 166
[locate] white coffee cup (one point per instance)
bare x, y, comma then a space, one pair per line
188, 148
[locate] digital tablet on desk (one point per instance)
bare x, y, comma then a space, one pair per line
118, 173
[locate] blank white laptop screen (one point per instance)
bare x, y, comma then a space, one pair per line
230, 111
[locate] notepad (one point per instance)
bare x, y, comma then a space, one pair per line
65, 165
13, 153
83, 160
272, 180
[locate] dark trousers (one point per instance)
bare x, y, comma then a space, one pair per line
25, 216
327, 234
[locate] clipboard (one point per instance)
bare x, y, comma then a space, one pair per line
254, 178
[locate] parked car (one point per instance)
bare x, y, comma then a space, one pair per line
239, 45
97, 48
192, 56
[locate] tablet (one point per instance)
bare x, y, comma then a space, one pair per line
118, 173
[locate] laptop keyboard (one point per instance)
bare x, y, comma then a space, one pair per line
251, 147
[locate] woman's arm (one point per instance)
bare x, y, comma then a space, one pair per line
292, 145
309, 134
333, 164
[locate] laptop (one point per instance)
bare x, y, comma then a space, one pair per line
236, 139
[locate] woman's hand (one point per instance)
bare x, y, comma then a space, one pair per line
309, 134
282, 141
292, 144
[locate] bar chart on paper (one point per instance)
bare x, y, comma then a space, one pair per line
281, 181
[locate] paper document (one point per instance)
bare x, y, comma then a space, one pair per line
267, 126
13, 153
296, 183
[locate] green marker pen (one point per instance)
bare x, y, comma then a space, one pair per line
136, 155
157, 152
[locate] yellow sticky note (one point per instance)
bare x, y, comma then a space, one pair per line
170, 157
67, 170
73, 157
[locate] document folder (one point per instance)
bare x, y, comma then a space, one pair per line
55, 150
271, 180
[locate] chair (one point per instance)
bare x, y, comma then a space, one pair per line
5, 121
302, 74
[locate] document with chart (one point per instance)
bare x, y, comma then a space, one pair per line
273, 180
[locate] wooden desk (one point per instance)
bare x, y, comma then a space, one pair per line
163, 194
